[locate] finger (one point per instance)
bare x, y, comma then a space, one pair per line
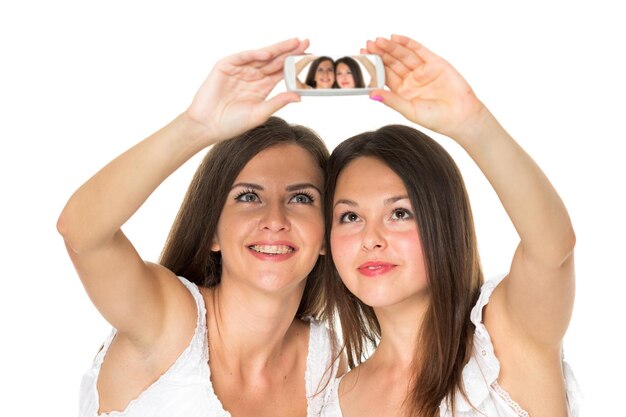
265, 109
393, 101
286, 46
278, 62
420, 50
248, 57
392, 77
400, 52
260, 57
388, 59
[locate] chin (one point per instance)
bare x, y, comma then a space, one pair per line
279, 284
385, 299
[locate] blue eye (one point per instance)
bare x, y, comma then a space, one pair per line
247, 196
401, 214
302, 198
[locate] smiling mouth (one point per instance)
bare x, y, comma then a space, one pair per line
272, 249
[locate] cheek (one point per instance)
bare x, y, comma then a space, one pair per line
310, 227
344, 250
409, 242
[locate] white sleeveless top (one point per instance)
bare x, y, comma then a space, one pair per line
185, 389
480, 377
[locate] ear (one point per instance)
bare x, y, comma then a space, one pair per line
215, 246
323, 249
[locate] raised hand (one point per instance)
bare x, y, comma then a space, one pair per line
424, 87
233, 98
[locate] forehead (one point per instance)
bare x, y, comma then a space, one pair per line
286, 163
325, 64
368, 177
342, 66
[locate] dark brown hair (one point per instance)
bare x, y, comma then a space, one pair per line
355, 69
437, 193
310, 76
187, 251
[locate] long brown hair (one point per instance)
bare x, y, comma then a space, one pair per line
443, 214
187, 251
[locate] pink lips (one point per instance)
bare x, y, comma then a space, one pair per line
372, 269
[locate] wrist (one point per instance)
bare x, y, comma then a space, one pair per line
196, 133
480, 126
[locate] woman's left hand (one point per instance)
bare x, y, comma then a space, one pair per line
424, 87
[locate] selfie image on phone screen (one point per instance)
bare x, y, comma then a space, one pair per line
334, 74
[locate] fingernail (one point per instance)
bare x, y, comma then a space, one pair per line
377, 98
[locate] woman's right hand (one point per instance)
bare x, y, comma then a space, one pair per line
233, 98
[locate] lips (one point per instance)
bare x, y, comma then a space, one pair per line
372, 269
272, 251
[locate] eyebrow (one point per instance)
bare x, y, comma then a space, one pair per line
293, 187
387, 201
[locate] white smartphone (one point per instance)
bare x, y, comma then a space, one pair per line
334, 75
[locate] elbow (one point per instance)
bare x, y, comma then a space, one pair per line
65, 228
72, 230
569, 243
563, 251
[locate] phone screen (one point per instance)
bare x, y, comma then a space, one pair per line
334, 74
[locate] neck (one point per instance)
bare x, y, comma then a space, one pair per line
400, 326
249, 328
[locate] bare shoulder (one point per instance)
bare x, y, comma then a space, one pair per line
180, 310
530, 372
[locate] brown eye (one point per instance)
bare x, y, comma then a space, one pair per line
401, 214
348, 217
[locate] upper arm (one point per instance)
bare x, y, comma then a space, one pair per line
534, 303
135, 297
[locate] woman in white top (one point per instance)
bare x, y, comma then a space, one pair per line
232, 283
401, 232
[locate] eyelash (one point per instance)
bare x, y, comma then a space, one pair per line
342, 216
246, 192
239, 196
304, 193
409, 215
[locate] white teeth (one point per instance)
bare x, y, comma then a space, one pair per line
272, 249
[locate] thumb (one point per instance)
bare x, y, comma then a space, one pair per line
393, 101
271, 106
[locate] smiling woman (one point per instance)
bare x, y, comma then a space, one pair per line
239, 271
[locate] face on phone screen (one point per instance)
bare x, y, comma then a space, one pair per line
334, 74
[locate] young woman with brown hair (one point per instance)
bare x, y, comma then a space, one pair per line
237, 278
405, 273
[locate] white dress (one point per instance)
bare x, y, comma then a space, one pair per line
185, 389
480, 377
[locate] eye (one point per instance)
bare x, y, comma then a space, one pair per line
401, 214
302, 198
247, 196
348, 217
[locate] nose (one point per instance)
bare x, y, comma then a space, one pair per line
373, 238
274, 218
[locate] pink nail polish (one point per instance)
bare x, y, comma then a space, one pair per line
377, 98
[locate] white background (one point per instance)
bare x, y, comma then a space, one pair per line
81, 81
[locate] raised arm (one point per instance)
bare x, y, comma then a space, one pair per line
132, 295
300, 65
536, 299
370, 68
